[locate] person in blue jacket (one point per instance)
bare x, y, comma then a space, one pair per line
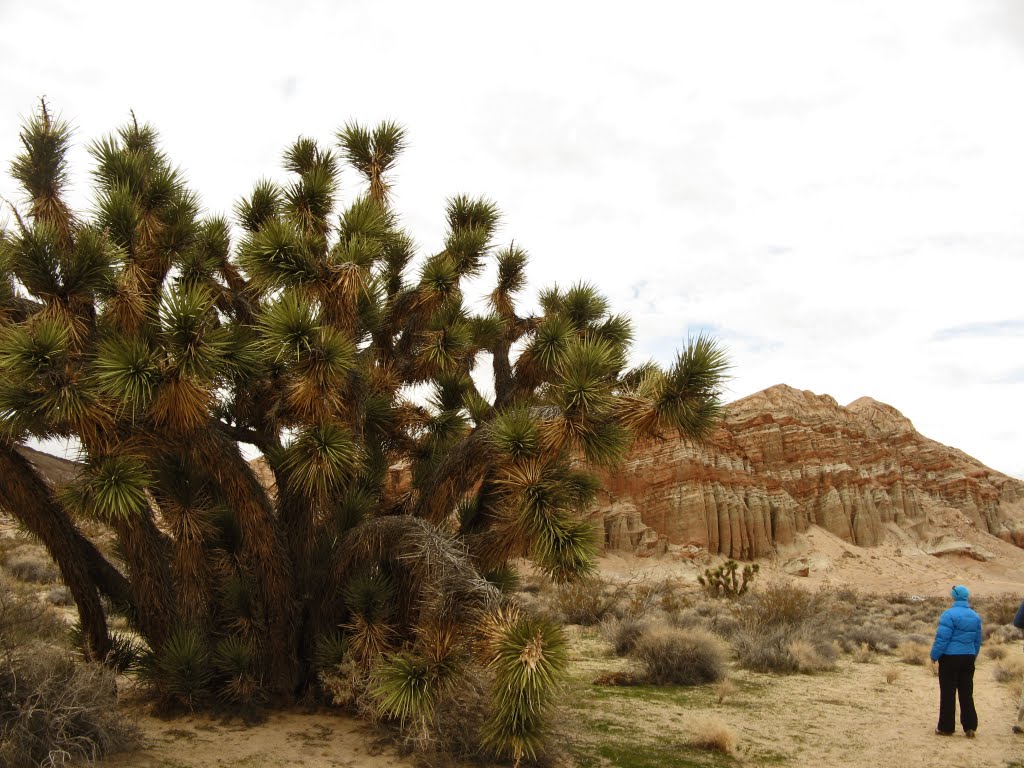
1018, 622
956, 647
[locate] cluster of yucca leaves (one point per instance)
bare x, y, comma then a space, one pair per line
161, 338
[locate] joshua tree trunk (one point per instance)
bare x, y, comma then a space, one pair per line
26, 496
264, 554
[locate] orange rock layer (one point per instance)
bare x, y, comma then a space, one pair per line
784, 460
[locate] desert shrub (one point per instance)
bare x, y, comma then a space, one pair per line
648, 596
727, 580
775, 620
346, 684
995, 652
623, 633
460, 716
54, 710
1008, 670
718, 616
864, 654
910, 652
1007, 633
587, 601
672, 598
60, 596
892, 674
724, 624
671, 656
785, 648
24, 619
33, 566
877, 637
686, 618
997, 610
713, 734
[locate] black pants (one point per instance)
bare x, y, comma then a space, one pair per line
956, 676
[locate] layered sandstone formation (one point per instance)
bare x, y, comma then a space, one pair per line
784, 460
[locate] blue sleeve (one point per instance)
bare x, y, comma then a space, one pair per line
977, 639
942, 636
1018, 620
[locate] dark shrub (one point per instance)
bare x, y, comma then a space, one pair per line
671, 656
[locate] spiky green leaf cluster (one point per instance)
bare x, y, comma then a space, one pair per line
528, 662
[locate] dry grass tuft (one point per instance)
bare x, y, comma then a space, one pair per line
810, 658
995, 651
915, 653
712, 733
1008, 670
724, 689
892, 674
864, 654
1002, 635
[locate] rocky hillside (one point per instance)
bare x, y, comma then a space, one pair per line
785, 460
58, 472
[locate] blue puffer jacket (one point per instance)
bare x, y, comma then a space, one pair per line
959, 632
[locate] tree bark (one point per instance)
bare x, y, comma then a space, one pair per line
264, 553
28, 497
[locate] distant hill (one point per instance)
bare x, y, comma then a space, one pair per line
58, 472
785, 460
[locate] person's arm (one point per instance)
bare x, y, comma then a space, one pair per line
942, 635
977, 638
1018, 620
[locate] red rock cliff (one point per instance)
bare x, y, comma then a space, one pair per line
786, 459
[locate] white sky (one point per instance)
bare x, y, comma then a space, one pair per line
832, 188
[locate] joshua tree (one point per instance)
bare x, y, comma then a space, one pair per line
162, 339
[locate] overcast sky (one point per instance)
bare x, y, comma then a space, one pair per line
834, 189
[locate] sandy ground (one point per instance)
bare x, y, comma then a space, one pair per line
854, 718
284, 739
849, 718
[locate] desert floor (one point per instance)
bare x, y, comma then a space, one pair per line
851, 717
861, 714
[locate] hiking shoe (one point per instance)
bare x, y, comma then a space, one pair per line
943, 733
1017, 729
969, 734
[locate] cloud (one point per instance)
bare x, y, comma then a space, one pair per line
834, 187
1016, 376
1001, 328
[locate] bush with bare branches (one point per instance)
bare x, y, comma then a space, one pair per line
52, 709
785, 629
671, 656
